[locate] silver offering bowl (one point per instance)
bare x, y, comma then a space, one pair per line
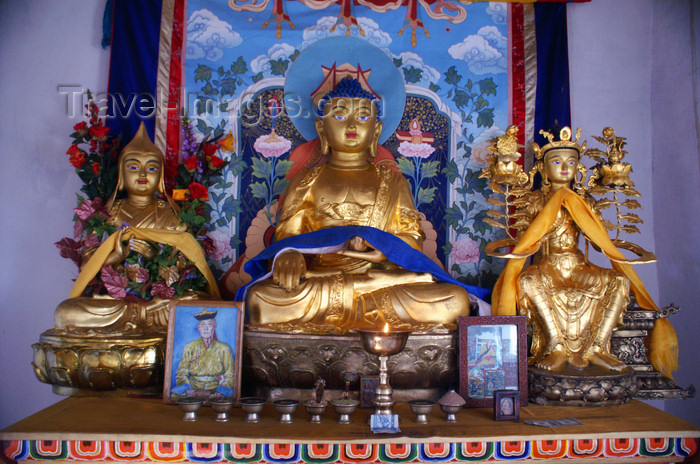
190, 405
383, 343
286, 408
252, 405
421, 408
222, 405
451, 410
315, 408
344, 407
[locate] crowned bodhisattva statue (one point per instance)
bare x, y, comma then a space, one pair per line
572, 304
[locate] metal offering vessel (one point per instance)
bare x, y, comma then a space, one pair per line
383, 343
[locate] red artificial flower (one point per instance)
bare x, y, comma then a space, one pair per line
208, 246
191, 163
99, 132
77, 160
160, 289
96, 168
215, 162
72, 150
198, 191
69, 248
210, 148
115, 283
81, 127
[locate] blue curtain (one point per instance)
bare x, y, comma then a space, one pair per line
133, 66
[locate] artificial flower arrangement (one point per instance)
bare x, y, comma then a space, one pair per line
169, 274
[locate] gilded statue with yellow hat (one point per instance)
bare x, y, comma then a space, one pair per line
572, 305
135, 255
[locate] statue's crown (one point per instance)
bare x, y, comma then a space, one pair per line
564, 142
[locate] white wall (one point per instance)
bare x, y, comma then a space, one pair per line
619, 56
631, 69
42, 45
676, 167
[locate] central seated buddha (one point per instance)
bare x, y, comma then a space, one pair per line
348, 246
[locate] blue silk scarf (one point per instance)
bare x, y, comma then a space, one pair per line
396, 250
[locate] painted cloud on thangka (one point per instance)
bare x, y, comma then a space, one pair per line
484, 52
207, 36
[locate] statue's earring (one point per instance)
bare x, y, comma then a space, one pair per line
580, 177
373, 148
323, 147
546, 184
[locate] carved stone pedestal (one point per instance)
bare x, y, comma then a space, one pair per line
287, 365
99, 365
627, 343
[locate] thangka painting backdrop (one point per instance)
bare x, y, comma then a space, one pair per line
468, 72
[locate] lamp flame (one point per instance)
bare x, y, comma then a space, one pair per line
386, 328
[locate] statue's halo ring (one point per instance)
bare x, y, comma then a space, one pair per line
305, 76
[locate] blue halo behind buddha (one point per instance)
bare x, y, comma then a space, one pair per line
313, 74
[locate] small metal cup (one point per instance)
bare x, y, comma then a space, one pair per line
222, 406
421, 408
344, 407
315, 409
252, 405
190, 405
286, 408
451, 411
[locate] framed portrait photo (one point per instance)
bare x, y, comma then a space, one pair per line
204, 350
492, 357
506, 405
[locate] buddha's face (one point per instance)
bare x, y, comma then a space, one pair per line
350, 124
141, 173
206, 328
561, 166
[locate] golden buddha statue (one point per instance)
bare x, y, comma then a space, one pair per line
347, 235
572, 305
142, 220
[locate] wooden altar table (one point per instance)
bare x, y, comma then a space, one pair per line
146, 430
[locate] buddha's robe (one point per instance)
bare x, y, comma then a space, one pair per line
205, 368
340, 293
158, 223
